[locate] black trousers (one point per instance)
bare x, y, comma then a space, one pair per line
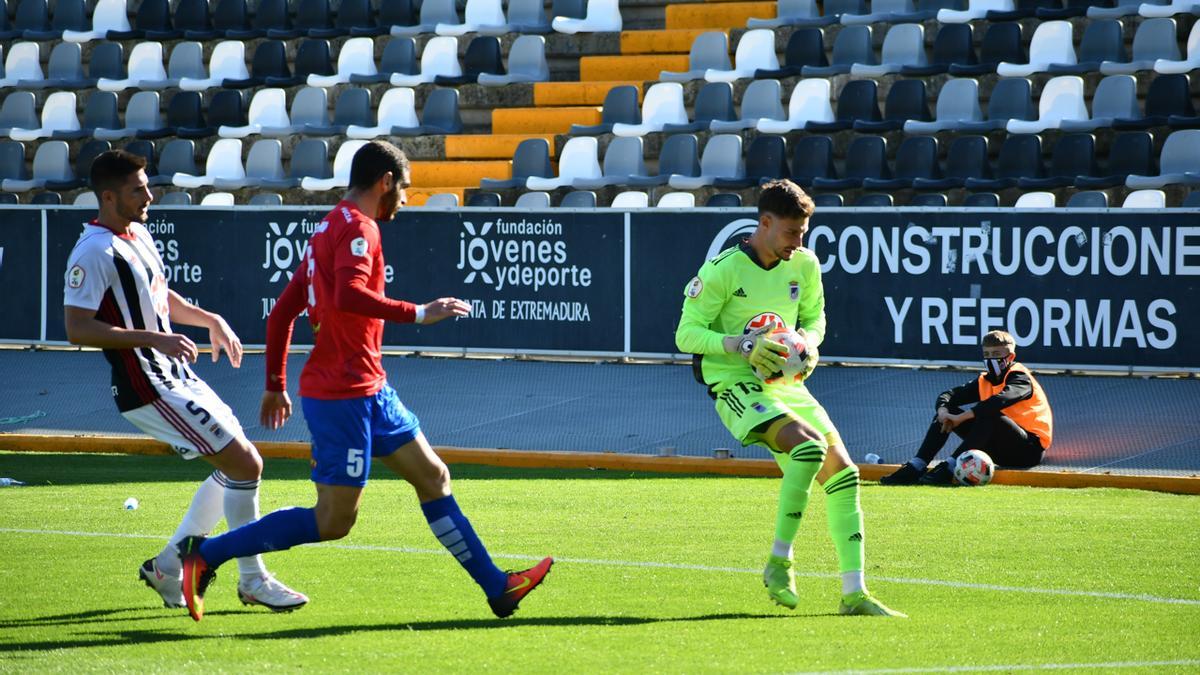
1006, 443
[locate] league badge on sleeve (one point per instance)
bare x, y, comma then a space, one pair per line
694, 288
359, 247
75, 276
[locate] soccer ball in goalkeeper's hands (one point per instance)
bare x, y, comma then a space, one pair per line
974, 468
795, 366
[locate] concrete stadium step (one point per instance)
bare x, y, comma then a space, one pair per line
659, 41
490, 146
577, 93
638, 66
417, 196
431, 174
542, 120
717, 14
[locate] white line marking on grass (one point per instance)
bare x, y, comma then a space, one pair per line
1012, 667
681, 566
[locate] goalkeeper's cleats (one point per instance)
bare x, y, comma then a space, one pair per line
268, 592
167, 585
197, 575
864, 604
780, 581
907, 474
520, 584
942, 474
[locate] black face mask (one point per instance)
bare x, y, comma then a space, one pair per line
995, 368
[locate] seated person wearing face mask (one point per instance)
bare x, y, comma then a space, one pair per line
1011, 420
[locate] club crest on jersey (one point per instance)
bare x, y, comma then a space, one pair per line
794, 290
764, 319
694, 288
359, 247
75, 277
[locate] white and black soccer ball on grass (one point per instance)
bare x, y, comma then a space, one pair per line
974, 468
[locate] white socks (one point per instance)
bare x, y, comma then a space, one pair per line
241, 507
201, 517
782, 549
853, 582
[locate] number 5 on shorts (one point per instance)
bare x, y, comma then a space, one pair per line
355, 462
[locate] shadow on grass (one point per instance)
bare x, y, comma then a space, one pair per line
90, 616
40, 469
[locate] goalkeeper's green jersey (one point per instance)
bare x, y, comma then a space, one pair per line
733, 294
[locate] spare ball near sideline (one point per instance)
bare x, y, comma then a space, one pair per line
974, 468
797, 355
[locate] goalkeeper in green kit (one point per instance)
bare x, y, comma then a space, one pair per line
731, 307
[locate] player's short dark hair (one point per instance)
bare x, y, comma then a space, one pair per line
999, 338
111, 168
784, 199
375, 159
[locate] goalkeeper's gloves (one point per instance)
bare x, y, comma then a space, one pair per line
765, 356
811, 356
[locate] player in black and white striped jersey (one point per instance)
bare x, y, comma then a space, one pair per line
117, 299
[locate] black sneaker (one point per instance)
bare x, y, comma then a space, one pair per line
907, 474
940, 475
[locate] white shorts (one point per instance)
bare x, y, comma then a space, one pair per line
191, 418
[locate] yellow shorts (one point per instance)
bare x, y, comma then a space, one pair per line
746, 406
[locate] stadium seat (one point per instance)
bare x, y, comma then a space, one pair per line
193, 21
788, 13
573, 9
395, 13
100, 112
904, 45
177, 198
68, 15
806, 47
916, 158
484, 200
444, 200
1168, 98
19, 111
578, 199
760, 101
312, 58
1178, 163
1145, 199
186, 60
145, 66
1129, 153
439, 117
906, 100
23, 64
1025, 9
1121, 8
526, 63
12, 163
534, 201
87, 199
51, 162
603, 16
857, 101
676, 200
1091, 199
314, 19
108, 60
766, 159
714, 103
852, 45
954, 43
144, 149
926, 10
623, 160
1192, 61
266, 199
64, 70
1074, 155
178, 157
264, 168
1011, 100
108, 16
185, 116
755, 51
1001, 43
224, 163
231, 20
340, 177
1192, 200
874, 200
1035, 200
932, 199
143, 119
827, 201
400, 56
527, 17
976, 9
397, 108
1114, 98
310, 159
223, 199
710, 51
267, 117
152, 21
1061, 99
981, 200
1154, 41
721, 159
480, 16
578, 160
1152, 10
1052, 43
882, 11
630, 200
356, 18
310, 109
88, 152
1019, 157
353, 106
440, 57
679, 156
227, 108
532, 158
46, 199
662, 105
812, 158
432, 13
269, 66
866, 157
724, 200
1102, 42
967, 157
483, 56
620, 107
356, 58
957, 104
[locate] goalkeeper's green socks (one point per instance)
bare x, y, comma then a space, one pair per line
799, 467
845, 519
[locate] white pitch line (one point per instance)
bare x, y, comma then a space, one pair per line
1011, 667
1143, 597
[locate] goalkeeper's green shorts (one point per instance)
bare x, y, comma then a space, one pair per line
747, 405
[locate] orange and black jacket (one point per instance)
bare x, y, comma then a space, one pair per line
1018, 396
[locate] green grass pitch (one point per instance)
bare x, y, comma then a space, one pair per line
655, 574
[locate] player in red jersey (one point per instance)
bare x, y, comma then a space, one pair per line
351, 411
